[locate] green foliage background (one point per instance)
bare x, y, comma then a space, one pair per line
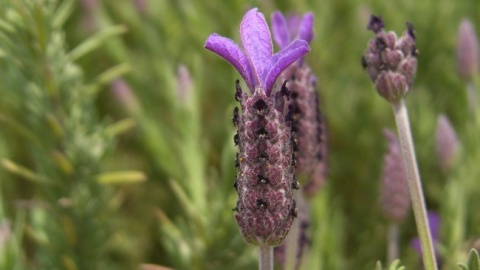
76, 148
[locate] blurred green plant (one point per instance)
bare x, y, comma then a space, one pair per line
58, 134
46, 102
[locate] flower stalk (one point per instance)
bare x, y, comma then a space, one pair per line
414, 183
265, 258
391, 63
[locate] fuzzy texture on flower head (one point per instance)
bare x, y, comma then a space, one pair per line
257, 64
391, 62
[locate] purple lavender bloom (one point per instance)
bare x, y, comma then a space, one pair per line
434, 225
308, 123
286, 30
265, 163
257, 64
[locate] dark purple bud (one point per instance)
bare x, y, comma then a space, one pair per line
236, 117
376, 24
390, 61
236, 139
391, 86
238, 91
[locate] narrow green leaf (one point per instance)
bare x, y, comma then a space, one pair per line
378, 265
112, 73
121, 126
63, 12
96, 41
121, 177
463, 266
6, 26
19, 170
473, 260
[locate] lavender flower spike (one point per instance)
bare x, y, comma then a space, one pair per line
257, 64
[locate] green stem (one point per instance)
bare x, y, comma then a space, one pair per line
392, 242
414, 184
472, 97
265, 258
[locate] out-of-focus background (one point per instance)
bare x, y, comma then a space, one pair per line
116, 147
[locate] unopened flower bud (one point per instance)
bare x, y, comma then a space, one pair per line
446, 141
123, 93
390, 61
184, 83
394, 198
467, 51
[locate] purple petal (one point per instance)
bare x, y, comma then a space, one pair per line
434, 224
257, 42
280, 30
305, 30
281, 60
293, 21
228, 50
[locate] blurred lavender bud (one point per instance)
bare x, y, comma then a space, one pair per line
308, 124
265, 163
320, 170
184, 83
446, 142
467, 51
394, 196
5, 232
390, 61
123, 93
141, 6
89, 8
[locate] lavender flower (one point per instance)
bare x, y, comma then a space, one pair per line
265, 209
395, 198
391, 62
308, 123
258, 67
446, 141
285, 30
467, 51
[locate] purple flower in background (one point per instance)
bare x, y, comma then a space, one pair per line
257, 64
309, 125
286, 30
395, 198
446, 142
434, 225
